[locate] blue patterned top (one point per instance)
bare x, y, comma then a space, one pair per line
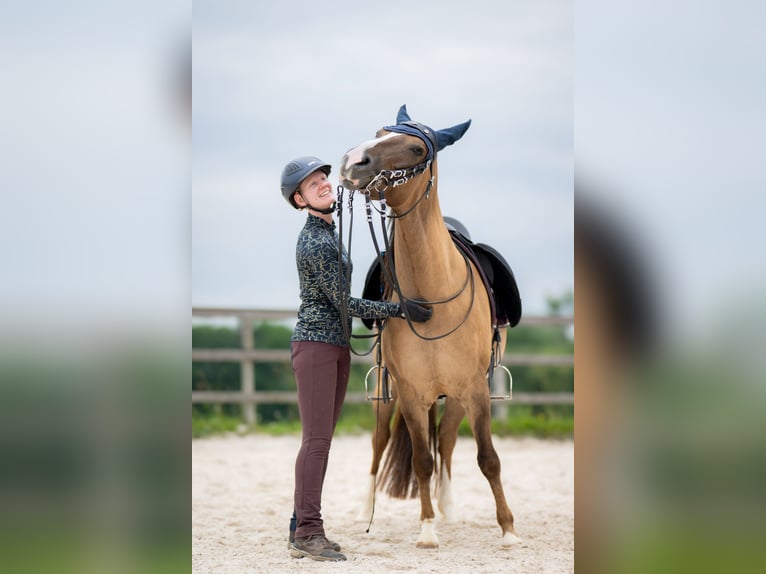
316, 255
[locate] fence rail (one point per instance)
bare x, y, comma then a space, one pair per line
248, 355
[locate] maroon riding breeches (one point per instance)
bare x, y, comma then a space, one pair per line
321, 374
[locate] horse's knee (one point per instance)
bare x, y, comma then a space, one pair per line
489, 463
423, 463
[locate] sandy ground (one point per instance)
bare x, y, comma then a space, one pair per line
242, 501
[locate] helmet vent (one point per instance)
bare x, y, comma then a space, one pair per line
292, 167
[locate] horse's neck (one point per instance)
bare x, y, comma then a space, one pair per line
426, 259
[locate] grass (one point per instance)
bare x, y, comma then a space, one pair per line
209, 425
521, 421
540, 426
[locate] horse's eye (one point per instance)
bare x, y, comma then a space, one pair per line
417, 150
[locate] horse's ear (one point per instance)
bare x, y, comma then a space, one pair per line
448, 136
402, 116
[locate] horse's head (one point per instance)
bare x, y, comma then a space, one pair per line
398, 156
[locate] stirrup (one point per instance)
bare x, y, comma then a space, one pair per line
384, 387
510, 387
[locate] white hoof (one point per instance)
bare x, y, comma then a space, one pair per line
509, 539
428, 538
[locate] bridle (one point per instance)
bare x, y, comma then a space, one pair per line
394, 178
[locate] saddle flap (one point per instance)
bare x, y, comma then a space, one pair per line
373, 287
507, 296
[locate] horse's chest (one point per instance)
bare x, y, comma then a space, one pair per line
434, 360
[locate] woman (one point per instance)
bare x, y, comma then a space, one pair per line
320, 350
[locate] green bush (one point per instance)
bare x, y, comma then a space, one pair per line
538, 420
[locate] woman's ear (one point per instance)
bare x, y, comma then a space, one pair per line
299, 201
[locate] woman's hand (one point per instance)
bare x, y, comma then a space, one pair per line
415, 311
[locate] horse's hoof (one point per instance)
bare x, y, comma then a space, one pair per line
428, 538
509, 539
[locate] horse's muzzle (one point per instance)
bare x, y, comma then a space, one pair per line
354, 177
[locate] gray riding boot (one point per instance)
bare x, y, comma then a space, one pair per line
315, 547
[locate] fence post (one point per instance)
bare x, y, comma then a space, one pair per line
247, 369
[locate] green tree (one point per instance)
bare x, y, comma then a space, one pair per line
278, 376
561, 305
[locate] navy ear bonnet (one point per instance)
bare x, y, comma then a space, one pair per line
435, 140
418, 130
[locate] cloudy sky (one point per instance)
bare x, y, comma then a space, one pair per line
277, 80
95, 173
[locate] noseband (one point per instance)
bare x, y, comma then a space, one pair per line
394, 178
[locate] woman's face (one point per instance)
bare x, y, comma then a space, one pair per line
316, 190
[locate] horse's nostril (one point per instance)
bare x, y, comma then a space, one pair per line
355, 158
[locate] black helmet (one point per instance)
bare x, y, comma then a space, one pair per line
298, 170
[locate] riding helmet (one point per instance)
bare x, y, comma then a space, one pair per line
298, 170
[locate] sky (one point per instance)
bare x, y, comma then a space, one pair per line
276, 80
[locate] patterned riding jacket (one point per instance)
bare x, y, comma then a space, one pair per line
319, 319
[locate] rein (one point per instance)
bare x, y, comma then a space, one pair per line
345, 278
380, 183
390, 275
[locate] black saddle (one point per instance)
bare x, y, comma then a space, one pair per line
496, 274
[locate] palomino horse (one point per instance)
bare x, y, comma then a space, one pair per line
447, 356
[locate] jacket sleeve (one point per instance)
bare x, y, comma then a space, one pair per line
329, 279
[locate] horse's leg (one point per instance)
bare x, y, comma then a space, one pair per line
381, 434
448, 427
479, 415
423, 465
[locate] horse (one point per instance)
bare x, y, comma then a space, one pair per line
449, 355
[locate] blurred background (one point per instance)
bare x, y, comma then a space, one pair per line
670, 462
95, 133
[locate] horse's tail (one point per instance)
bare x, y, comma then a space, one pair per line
397, 477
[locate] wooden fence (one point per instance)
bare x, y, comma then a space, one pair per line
248, 355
